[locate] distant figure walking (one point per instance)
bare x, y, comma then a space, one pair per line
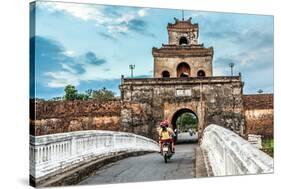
190, 132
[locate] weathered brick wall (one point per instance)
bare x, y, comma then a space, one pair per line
215, 100
134, 118
259, 114
65, 116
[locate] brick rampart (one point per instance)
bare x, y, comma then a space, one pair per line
64, 116
258, 110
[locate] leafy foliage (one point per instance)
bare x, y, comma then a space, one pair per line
71, 93
268, 146
102, 94
186, 121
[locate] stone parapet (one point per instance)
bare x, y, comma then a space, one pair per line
229, 154
53, 154
181, 81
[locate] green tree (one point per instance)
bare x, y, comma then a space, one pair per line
82, 96
186, 121
89, 92
102, 94
71, 92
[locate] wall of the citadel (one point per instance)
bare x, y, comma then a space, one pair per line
217, 102
259, 114
224, 105
170, 64
145, 104
65, 116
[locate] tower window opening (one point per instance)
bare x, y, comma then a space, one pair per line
201, 73
183, 70
183, 41
165, 74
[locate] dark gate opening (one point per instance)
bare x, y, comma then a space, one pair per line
185, 123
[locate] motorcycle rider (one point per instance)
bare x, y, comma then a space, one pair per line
166, 134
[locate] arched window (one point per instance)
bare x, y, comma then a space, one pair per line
183, 41
183, 70
201, 73
165, 74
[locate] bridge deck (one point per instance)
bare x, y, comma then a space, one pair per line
150, 167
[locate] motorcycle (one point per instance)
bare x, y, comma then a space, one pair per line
167, 151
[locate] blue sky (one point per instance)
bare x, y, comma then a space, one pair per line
91, 46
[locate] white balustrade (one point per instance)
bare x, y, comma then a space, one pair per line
50, 154
255, 140
229, 154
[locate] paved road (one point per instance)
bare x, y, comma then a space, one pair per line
149, 167
186, 137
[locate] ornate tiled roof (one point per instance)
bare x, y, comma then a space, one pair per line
182, 24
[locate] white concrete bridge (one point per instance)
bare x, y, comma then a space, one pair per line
69, 158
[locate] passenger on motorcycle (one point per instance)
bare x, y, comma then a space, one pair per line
166, 134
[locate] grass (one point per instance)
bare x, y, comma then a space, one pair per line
268, 146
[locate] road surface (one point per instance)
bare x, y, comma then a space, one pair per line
186, 137
149, 167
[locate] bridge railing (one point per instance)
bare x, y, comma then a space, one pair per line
229, 154
56, 153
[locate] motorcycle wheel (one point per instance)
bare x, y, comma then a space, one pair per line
166, 157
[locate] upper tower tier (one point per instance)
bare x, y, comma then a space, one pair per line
183, 56
183, 32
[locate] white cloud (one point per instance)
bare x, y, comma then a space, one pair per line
69, 53
61, 79
69, 75
98, 14
68, 68
256, 57
252, 57
219, 71
83, 11
142, 12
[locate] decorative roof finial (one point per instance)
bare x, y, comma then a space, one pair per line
182, 15
189, 20
176, 20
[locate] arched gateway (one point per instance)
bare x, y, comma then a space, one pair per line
148, 101
178, 116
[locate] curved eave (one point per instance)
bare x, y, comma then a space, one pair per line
186, 52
